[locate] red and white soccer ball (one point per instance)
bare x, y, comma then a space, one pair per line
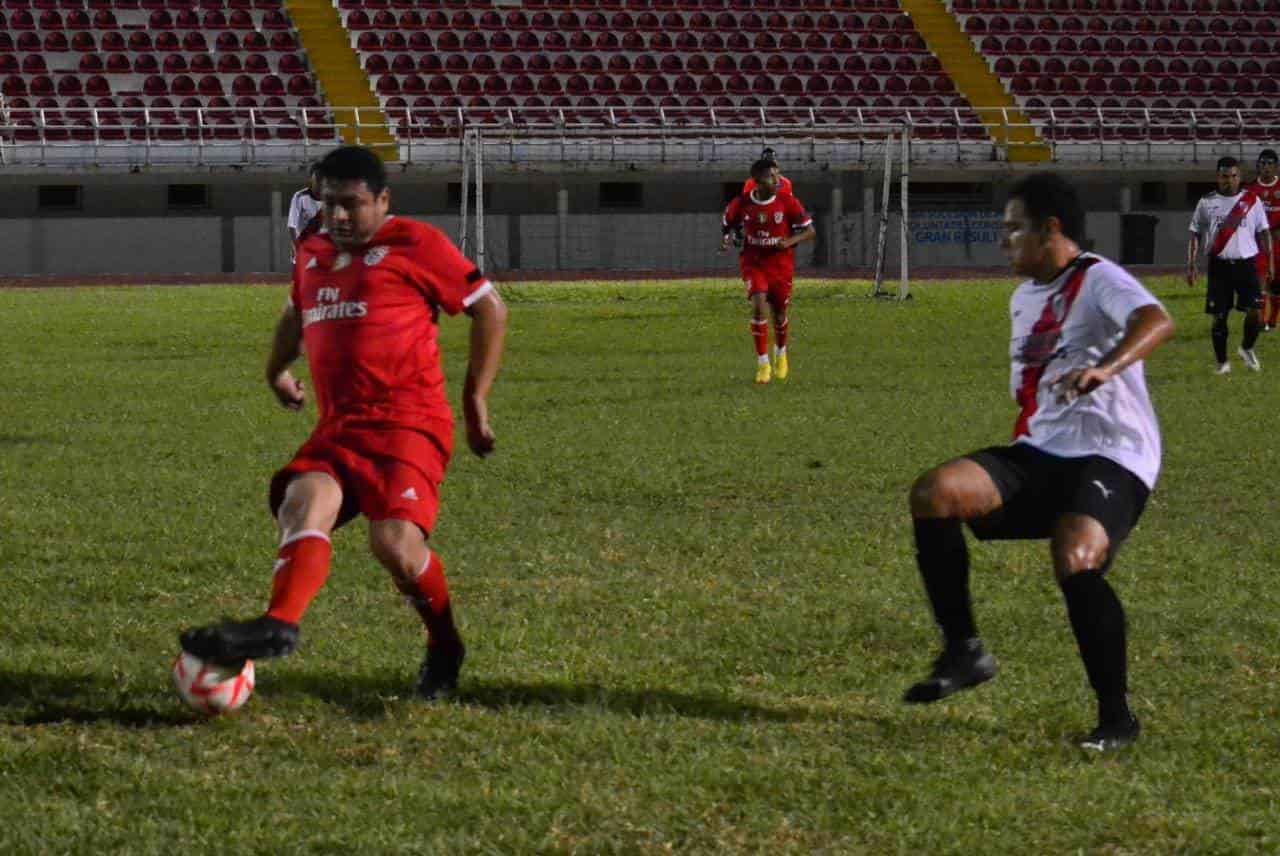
209, 688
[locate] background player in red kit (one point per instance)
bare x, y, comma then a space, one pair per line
1267, 188
772, 224
784, 183
365, 301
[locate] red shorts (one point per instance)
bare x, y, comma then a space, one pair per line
776, 286
1261, 261
385, 474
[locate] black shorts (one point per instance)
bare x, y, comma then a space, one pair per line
1038, 488
1232, 280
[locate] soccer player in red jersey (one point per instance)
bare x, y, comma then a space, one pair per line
365, 302
1267, 188
772, 224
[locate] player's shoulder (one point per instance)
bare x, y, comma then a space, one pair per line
407, 231
316, 243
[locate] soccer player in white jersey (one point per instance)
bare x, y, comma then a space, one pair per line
1232, 223
305, 210
1084, 457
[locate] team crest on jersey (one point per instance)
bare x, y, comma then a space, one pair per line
375, 255
777, 216
342, 261
763, 217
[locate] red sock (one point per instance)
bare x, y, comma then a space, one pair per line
302, 566
428, 593
780, 334
760, 332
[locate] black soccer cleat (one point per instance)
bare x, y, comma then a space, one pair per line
438, 677
1112, 737
956, 668
235, 641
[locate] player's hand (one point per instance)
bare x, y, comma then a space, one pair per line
288, 390
1077, 382
479, 435
725, 243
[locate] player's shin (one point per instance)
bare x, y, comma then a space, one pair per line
1218, 335
302, 566
1252, 327
780, 330
1097, 619
760, 334
943, 559
428, 593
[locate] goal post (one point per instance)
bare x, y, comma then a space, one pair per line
901, 141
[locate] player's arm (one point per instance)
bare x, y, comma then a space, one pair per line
1147, 328
1193, 245
808, 233
728, 223
1262, 234
488, 333
286, 346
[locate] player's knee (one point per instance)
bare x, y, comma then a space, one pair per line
393, 544
311, 501
935, 494
1079, 544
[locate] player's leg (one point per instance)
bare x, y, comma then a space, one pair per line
1270, 304
1105, 502
779, 306
401, 547
1249, 301
942, 500
1217, 305
759, 297
307, 508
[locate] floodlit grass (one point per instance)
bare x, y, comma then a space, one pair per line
691, 603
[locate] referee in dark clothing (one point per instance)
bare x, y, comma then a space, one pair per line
1232, 223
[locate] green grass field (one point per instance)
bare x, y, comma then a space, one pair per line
691, 603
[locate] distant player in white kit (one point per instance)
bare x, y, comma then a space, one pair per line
1084, 457
1232, 224
305, 210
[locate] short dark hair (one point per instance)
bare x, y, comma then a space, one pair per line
1227, 163
1047, 194
355, 163
1267, 154
761, 167
769, 154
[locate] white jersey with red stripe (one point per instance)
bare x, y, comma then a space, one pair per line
1070, 323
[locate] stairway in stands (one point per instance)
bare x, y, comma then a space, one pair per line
975, 80
336, 65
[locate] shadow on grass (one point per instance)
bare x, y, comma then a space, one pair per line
370, 696
35, 698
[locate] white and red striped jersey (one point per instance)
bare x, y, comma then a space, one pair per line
1071, 323
1213, 210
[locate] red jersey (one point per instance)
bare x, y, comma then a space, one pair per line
1269, 195
764, 225
784, 186
369, 325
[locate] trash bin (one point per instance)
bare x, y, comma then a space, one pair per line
1138, 239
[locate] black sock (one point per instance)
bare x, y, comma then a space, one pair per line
1252, 327
1097, 618
943, 559
1218, 333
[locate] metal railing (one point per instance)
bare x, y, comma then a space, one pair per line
433, 136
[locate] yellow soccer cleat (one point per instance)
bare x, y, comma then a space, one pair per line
780, 367
764, 374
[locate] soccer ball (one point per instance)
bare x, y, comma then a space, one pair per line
210, 688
